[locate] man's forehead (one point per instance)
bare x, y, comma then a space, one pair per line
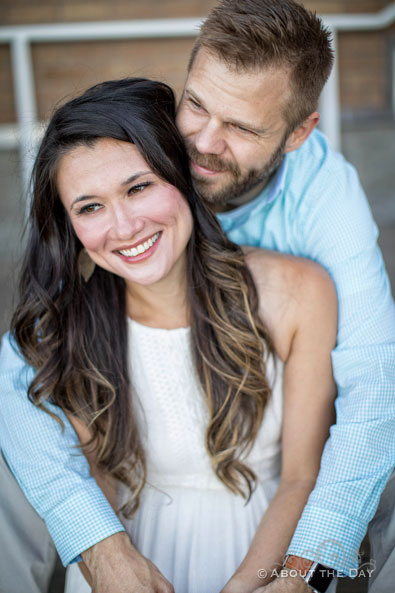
255, 95
206, 62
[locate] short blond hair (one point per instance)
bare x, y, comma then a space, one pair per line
255, 34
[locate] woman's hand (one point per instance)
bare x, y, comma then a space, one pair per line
241, 583
116, 566
288, 584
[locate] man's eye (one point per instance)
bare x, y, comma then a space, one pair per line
135, 189
243, 130
195, 103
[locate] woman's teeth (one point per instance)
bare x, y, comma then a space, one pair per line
140, 248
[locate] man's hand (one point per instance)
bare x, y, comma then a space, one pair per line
288, 584
115, 566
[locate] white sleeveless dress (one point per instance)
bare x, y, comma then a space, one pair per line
189, 524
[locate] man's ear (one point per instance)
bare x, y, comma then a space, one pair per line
302, 132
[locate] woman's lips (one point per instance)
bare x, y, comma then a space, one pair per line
138, 257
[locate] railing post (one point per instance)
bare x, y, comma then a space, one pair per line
25, 101
330, 102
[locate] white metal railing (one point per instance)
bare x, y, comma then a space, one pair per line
21, 37
330, 104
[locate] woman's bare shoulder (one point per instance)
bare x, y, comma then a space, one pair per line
274, 271
291, 290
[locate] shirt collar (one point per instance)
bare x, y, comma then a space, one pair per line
268, 195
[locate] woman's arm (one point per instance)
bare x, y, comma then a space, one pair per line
298, 304
139, 574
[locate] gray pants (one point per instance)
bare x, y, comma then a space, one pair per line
27, 554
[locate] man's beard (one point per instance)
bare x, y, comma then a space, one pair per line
239, 184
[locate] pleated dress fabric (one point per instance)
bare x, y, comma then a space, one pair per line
193, 528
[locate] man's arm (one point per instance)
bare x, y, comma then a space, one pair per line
338, 231
49, 467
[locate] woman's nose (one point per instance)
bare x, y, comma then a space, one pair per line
126, 223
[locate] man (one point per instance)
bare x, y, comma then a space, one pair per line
250, 98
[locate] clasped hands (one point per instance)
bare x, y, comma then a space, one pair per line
116, 566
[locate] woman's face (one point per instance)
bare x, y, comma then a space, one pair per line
131, 222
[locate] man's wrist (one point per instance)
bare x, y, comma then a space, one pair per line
105, 548
301, 565
316, 576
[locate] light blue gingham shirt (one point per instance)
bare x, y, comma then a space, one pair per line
314, 207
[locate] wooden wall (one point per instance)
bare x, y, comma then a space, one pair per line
63, 69
17, 12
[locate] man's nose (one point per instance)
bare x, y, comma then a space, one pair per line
209, 139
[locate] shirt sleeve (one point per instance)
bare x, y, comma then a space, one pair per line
338, 231
46, 461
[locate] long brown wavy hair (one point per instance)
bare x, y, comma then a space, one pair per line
74, 332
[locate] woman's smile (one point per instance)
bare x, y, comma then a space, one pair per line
141, 250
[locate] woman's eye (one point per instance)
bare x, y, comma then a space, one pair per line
135, 189
89, 209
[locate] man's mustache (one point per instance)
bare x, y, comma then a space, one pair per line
211, 161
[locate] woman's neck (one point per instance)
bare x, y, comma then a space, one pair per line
163, 304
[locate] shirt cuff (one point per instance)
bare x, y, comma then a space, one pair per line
88, 517
328, 538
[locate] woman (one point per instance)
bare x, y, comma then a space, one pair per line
159, 338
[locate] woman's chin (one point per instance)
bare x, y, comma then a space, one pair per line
148, 279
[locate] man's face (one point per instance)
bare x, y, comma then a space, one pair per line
234, 128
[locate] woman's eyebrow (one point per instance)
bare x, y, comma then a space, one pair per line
126, 182
136, 176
